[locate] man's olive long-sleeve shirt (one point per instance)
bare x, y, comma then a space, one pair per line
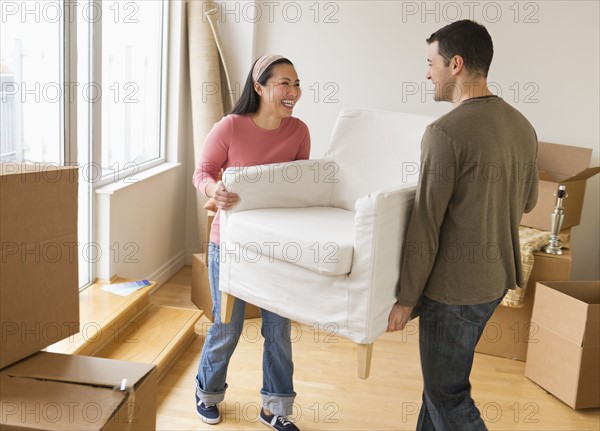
478, 175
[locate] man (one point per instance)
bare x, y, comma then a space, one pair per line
478, 175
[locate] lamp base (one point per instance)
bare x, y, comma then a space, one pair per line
553, 249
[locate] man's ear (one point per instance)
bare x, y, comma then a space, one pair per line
457, 64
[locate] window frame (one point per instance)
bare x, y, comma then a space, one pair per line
94, 111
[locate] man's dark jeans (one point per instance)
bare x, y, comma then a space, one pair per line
447, 338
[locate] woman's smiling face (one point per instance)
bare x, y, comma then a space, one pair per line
281, 92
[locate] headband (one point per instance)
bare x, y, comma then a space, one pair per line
262, 63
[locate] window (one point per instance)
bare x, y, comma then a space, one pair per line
83, 82
132, 48
31, 84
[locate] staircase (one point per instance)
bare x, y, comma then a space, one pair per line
130, 328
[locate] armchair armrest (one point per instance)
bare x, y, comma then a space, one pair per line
302, 183
386, 213
379, 230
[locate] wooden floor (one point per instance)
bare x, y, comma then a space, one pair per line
331, 397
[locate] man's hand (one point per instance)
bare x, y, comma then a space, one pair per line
399, 315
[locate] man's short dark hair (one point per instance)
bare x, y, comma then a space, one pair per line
468, 39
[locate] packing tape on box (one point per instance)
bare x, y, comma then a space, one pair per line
130, 400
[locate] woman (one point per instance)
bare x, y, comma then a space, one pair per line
260, 130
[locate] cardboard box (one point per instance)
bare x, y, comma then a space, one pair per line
507, 332
560, 164
565, 360
201, 295
50, 391
39, 288
209, 219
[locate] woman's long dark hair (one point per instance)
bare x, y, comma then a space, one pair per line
249, 100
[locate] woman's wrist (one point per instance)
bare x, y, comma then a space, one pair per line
210, 194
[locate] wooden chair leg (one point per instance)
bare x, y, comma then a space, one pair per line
365, 352
227, 301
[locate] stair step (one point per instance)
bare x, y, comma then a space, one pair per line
130, 328
102, 316
157, 337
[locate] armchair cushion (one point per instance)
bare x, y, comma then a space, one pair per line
302, 183
316, 238
374, 150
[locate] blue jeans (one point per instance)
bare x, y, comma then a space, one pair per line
447, 338
278, 389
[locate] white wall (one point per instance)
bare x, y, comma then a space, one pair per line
140, 229
372, 54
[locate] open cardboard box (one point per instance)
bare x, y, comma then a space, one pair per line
39, 289
51, 391
560, 164
565, 357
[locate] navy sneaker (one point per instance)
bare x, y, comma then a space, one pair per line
208, 413
278, 423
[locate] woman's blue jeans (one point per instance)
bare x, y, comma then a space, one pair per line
278, 389
448, 335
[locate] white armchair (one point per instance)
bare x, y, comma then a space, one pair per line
320, 241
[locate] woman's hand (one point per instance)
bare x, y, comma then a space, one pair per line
224, 199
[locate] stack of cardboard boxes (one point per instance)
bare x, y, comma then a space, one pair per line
507, 332
39, 300
514, 333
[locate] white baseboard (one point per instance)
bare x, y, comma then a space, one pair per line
169, 269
